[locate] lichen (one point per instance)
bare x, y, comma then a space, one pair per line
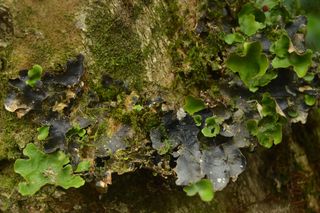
41, 169
143, 58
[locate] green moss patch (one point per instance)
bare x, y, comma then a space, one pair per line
115, 46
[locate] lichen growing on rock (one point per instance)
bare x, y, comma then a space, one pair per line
123, 107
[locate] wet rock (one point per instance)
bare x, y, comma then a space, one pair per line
265, 42
288, 91
218, 163
222, 112
297, 38
235, 160
214, 164
83, 122
228, 130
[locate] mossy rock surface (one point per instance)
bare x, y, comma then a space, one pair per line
136, 52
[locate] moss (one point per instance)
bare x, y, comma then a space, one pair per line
44, 36
43, 52
8, 177
169, 21
150, 120
116, 50
137, 7
14, 133
115, 46
40, 37
193, 55
143, 121
27, 50
109, 94
8, 182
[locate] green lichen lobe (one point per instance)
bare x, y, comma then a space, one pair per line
41, 169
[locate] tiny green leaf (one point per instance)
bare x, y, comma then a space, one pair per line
83, 166
269, 133
280, 62
252, 126
268, 130
251, 19
193, 105
268, 105
82, 132
34, 75
203, 187
76, 130
137, 107
309, 100
43, 133
284, 59
248, 24
212, 128
191, 190
300, 62
197, 119
293, 113
309, 77
281, 46
233, 37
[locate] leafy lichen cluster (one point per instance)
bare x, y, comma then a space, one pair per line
244, 74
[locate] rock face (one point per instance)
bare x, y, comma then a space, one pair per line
139, 59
